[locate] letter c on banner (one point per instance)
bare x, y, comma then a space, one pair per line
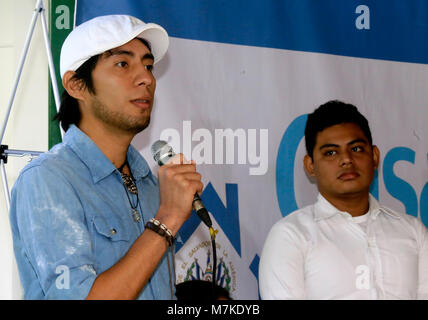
285, 164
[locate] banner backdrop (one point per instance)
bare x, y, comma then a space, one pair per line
234, 91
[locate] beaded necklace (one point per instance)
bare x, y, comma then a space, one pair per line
130, 186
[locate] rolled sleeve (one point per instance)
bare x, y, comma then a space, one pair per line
51, 238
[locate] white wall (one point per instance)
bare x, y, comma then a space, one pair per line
27, 128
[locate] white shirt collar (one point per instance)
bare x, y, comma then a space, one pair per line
324, 209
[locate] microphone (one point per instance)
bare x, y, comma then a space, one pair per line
162, 152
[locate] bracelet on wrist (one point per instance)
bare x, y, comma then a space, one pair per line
161, 229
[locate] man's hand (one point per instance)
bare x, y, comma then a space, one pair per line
178, 183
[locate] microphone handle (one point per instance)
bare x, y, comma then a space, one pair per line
201, 211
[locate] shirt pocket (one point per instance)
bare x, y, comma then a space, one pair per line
111, 241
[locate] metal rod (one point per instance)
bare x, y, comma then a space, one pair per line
19, 71
15, 153
50, 59
5, 186
21, 153
39, 9
51, 65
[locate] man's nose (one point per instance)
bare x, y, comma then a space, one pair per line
346, 158
143, 76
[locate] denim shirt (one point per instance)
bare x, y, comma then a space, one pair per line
71, 219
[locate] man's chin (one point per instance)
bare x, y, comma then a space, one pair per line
353, 192
138, 127
348, 190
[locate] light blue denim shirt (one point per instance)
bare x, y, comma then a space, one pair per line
71, 219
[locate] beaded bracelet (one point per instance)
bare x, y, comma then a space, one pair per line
161, 229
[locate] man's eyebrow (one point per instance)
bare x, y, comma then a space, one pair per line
148, 56
332, 145
115, 52
360, 140
329, 145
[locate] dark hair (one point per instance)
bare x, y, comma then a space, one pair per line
200, 291
329, 114
69, 112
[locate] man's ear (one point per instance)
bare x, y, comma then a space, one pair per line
376, 156
74, 87
308, 164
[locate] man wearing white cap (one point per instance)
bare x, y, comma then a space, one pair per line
89, 220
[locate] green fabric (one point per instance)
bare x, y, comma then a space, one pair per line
61, 23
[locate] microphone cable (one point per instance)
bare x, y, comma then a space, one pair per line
213, 234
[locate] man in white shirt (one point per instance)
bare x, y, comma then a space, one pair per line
346, 245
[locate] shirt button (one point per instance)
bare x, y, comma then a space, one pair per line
113, 231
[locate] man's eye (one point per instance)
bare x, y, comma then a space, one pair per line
122, 64
357, 149
330, 153
149, 67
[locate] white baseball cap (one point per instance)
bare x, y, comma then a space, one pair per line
103, 33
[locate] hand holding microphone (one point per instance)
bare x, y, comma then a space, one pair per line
179, 183
163, 154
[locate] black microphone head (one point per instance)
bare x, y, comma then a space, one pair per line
162, 152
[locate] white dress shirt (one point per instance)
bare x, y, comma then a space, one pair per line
319, 252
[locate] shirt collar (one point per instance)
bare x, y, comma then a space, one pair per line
99, 165
138, 164
325, 210
376, 209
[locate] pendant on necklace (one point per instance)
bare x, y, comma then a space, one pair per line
136, 215
129, 183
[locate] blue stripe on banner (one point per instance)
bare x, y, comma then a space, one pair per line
378, 29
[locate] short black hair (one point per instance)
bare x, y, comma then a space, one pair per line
200, 291
329, 114
69, 112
